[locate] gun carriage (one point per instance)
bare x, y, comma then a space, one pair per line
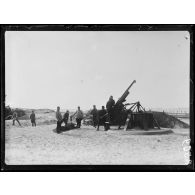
132, 115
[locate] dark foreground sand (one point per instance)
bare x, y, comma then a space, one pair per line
41, 145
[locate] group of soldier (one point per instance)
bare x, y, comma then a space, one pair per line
15, 118
78, 115
102, 116
99, 117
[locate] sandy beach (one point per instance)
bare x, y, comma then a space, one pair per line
28, 145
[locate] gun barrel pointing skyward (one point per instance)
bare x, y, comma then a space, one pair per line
131, 85
126, 93
127, 90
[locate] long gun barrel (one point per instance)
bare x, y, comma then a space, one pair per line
125, 94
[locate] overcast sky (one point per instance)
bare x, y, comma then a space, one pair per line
67, 69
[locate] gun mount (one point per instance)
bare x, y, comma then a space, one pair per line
133, 117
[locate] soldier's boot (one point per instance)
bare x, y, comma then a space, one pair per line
106, 126
97, 128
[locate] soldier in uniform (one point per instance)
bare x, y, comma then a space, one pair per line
15, 118
66, 117
102, 118
59, 119
79, 116
94, 112
109, 106
33, 118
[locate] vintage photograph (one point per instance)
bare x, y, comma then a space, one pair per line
97, 97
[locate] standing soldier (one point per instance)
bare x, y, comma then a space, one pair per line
102, 118
109, 106
79, 116
15, 118
66, 117
94, 112
59, 119
32, 117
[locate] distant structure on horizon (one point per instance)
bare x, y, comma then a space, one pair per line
172, 110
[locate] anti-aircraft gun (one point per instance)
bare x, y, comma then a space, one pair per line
132, 117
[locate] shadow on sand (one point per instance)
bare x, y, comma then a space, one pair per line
64, 129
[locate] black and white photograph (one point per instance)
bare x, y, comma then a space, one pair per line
97, 97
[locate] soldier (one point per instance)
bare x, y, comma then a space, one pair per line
33, 118
66, 117
110, 103
102, 118
94, 112
79, 116
109, 106
15, 118
71, 119
138, 107
59, 119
